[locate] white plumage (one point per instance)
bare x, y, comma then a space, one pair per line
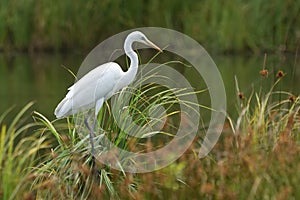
84, 93
98, 85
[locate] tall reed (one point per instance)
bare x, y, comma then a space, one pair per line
19, 151
219, 25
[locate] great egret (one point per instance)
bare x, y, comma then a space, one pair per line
98, 85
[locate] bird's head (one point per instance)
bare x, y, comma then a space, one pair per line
138, 36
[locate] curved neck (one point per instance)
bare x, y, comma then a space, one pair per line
134, 62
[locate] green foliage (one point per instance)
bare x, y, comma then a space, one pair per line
220, 25
18, 154
256, 157
70, 171
267, 115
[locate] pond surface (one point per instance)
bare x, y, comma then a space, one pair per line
43, 78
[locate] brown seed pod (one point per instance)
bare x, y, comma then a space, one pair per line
279, 74
292, 98
241, 95
264, 72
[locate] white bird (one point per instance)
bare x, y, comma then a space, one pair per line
98, 85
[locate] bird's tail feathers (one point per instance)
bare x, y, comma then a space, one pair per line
64, 108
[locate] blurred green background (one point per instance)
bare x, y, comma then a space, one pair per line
257, 156
39, 37
219, 25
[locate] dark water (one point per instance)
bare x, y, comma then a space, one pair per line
43, 78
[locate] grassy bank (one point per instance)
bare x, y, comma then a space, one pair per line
218, 25
257, 156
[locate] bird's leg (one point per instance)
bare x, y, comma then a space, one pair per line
92, 134
92, 129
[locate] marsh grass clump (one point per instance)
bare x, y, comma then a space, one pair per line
20, 147
265, 139
71, 172
256, 157
266, 114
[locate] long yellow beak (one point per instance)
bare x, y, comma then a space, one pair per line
154, 46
